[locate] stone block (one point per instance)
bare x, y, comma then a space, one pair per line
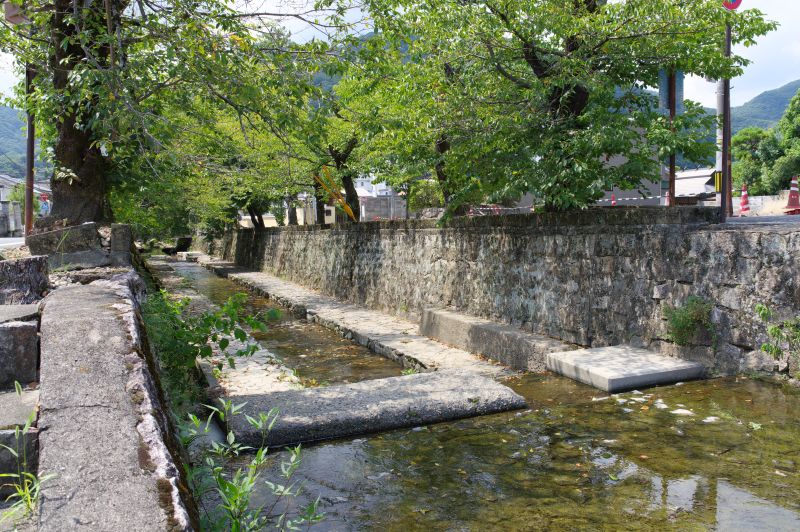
91, 258
15, 411
121, 238
23, 281
66, 240
619, 368
19, 352
503, 343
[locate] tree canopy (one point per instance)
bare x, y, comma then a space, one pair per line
178, 113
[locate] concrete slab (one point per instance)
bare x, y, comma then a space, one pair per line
503, 343
620, 368
103, 434
18, 312
317, 414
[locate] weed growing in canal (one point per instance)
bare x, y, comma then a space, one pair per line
25, 485
233, 490
410, 371
683, 322
785, 335
180, 338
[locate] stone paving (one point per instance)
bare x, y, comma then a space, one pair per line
386, 335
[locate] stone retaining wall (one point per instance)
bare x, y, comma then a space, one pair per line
597, 277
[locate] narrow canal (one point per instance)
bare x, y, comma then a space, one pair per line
713, 455
318, 355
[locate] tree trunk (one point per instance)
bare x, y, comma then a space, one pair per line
442, 147
319, 203
79, 179
290, 207
350, 194
340, 161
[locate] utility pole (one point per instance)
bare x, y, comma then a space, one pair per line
673, 90
31, 140
726, 206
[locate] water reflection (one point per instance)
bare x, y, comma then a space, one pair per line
576, 462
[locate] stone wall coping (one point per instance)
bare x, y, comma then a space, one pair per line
595, 218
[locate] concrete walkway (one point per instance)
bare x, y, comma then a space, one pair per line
103, 433
386, 335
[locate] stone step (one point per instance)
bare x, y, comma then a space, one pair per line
19, 312
316, 414
15, 411
620, 368
504, 343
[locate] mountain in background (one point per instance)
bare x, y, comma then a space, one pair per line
12, 146
764, 110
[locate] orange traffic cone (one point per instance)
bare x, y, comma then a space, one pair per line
613, 200
794, 199
745, 205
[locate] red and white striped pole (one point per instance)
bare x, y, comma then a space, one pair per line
745, 204
793, 207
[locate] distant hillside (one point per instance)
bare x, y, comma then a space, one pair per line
12, 146
764, 110
12, 142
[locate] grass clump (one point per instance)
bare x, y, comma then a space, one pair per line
684, 322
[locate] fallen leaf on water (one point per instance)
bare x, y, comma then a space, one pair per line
612, 476
780, 473
644, 457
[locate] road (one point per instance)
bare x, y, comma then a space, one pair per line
764, 220
6, 243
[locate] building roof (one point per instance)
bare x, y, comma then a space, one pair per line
696, 173
693, 186
38, 186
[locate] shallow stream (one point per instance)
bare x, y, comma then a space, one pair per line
318, 355
712, 455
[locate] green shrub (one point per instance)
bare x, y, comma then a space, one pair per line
684, 322
180, 338
785, 335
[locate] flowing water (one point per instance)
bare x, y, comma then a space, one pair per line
712, 455
318, 355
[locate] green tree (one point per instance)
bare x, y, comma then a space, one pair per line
540, 97
18, 194
105, 72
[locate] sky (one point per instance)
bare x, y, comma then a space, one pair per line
775, 58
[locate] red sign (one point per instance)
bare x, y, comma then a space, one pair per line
43, 196
732, 4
